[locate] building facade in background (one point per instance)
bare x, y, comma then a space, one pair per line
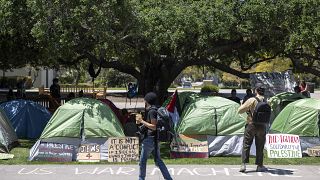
42, 77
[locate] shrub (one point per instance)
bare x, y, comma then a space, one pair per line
210, 89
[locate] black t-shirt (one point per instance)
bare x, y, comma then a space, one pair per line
235, 99
152, 114
55, 90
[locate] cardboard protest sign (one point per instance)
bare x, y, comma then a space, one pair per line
54, 152
89, 153
189, 146
123, 149
283, 146
314, 151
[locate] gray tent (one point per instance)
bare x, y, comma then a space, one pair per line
8, 138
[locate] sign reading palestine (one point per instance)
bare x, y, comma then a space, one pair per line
283, 146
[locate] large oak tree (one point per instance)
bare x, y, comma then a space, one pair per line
154, 41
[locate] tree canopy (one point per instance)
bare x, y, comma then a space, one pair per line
154, 41
17, 44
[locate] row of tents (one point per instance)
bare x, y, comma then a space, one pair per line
90, 120
217, 118
26, 119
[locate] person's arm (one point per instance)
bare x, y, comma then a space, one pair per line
245, 107
151, 125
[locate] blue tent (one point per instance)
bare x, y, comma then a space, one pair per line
27, 117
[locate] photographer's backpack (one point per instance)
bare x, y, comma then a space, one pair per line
262, 112
165, 126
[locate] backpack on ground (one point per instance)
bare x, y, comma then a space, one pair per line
262, 112
165, 126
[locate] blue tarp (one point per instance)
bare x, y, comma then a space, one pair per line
27, 117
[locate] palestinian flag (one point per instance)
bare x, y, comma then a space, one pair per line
172, 107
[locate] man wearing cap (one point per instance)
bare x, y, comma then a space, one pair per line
257, 131
149, 143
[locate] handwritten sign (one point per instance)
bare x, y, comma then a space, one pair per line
189, 146
55, 152
89, 153
123, 149
314, 151
283, 146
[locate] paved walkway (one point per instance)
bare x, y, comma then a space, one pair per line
179, 172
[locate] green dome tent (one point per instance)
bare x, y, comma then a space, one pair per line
302, 118
211, 116
88, 116
281, 100
218, 118
8, 137
81, 120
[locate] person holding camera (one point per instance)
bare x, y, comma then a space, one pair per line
149, 143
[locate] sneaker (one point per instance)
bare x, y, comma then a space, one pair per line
261, 169
243, 167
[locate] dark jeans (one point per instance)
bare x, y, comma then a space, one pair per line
148, 146
258, 132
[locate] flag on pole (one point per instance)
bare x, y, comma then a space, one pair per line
172, 108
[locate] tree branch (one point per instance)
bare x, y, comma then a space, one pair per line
220, 66
114, 63
302, 68
257, 61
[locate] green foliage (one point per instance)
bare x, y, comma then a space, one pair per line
154, 41
118, 79
210, 88
18, 47
277, 65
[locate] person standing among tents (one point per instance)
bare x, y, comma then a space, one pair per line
247, 96
55, 94
55, 89
80, 94
10, 95
297, 90
234, 96
253, 131
304, 89
150, 143
21, 89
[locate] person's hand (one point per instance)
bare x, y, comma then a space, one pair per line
139, 118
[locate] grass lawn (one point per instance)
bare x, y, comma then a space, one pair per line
21, 157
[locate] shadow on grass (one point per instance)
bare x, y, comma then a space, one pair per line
25, 143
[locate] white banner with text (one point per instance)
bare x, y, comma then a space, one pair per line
283, 146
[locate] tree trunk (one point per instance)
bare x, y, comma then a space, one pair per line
156, 78
77, 79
